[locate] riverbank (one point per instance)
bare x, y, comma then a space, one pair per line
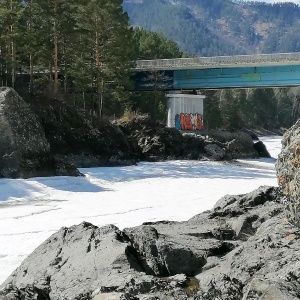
33, 209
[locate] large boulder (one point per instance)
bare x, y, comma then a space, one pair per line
244, 248
237, 144
261, 149
214, 151
24, 149
153, 141
288, 172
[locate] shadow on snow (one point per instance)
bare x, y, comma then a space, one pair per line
35, 187
180, 169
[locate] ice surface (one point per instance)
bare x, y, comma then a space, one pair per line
31, 210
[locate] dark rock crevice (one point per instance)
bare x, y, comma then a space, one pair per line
222, 250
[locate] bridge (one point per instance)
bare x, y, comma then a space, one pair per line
241, 71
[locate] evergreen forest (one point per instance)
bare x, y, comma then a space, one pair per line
82, 52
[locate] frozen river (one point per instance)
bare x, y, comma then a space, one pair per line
32, 209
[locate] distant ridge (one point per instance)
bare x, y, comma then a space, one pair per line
221, 27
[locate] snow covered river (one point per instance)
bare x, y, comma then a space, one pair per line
31, 210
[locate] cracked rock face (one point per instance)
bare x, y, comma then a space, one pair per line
288, 172
24, 150
244, 248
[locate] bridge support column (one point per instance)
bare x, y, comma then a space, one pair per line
185, 111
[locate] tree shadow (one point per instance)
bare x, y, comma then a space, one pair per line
30, 188
181, 169
15, 188
96, 177
71, 184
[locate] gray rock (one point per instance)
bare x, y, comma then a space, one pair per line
72, 263
244, 248
24, 150
288, 172
78, 139
261, 149
179, 279
108, 296
152, 141
165, 255
215, 152
238, 144
64, 169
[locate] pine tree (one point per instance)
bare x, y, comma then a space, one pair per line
107, 36
229, 109
263, 107
212, 112
10, 15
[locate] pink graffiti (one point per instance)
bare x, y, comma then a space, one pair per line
189, 121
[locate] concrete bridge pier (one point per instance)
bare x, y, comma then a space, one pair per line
185, 111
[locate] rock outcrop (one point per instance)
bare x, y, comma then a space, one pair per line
79, 140
152, 141
24, 149
288, 172
237, 144
244, 248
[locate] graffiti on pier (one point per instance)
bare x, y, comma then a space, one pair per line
185, 121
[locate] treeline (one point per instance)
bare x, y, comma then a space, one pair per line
81, 51
80, 48
268, 108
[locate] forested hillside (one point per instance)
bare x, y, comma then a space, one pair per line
220, 27
82, 52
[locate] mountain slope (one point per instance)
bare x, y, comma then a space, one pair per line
220, 27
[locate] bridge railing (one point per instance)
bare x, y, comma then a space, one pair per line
218, 61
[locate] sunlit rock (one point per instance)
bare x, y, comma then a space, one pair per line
288, 172
243, 248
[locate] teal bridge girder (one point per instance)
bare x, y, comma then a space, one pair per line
241, 71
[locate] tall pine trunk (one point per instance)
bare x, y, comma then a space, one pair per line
30, 25
98, 79
55, 41
8, 47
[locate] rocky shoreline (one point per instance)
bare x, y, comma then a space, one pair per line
46, 138
244, 248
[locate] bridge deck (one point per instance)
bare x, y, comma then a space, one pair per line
219, 62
